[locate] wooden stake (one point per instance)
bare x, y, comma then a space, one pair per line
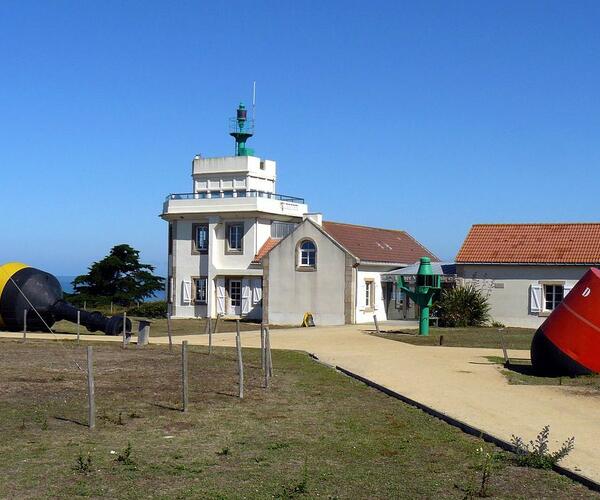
169, 308
504, 351
24, 325
91, 398
208, 324
238, 344
184, 374
78, 323
217, 323
262, 346
376, 323
269, 358
124, 330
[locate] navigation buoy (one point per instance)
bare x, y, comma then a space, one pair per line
568, 342
24, 288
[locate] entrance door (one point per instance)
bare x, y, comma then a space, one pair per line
235, 297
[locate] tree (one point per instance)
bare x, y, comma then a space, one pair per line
119, 277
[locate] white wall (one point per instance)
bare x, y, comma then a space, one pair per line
291, 293
508, 287
187, 265
365, 314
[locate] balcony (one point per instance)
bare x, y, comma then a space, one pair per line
212, 202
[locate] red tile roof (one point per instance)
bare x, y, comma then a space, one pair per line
377, 245
268, 245
570, 243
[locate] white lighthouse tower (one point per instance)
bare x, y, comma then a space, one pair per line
217, 231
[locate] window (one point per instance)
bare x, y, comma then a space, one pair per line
308, 254
199, 291
200, 238
369, 293
280, 230
553, 294
235, 233
170, 238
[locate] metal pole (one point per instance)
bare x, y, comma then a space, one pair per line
90, 381
24, 325
78, 323
424, 321
184, 374
504, 350
238, 344
169, 308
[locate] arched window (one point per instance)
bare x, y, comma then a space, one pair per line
307, 255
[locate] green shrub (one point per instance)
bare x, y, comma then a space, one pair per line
537, 454
155, 309
462, 306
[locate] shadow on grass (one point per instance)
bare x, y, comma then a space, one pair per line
166, 407
70, 420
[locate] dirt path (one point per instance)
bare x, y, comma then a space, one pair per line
460, 382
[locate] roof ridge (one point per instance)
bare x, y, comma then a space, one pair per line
536, 224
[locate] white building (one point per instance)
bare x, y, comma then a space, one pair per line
527, 269
333, 271
222, 232
215, 232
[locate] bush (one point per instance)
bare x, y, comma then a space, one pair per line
462, 306
537, 454
155, 309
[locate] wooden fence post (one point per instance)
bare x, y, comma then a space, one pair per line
504, 351
262, 346
376, 323
238, 344
91, 396
209, 331
24, 325
169, 309
269, 358
78, 323
184, 374
124, 330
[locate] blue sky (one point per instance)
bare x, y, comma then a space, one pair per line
423, 116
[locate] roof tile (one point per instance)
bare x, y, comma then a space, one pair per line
567, 243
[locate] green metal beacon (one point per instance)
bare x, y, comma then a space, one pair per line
426, 286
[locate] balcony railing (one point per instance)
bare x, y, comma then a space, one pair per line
203, 195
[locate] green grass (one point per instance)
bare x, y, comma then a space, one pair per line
314, 433
520, 372
515, 338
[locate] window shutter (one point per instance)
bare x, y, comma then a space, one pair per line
187, 291
246, 296
535, 298
256, 290
220, 295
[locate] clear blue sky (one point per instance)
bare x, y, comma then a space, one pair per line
423, 116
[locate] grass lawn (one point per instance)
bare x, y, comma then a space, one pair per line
158, 328
520, 372
313, 433
516, 338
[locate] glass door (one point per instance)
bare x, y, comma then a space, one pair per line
235, 297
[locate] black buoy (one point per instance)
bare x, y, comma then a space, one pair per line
23, 288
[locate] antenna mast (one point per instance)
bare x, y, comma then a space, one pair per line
254, 100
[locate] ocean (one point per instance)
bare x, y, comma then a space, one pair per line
65, 282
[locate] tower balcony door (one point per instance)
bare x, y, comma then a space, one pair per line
234, 297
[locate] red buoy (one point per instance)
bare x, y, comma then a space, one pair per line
568, 342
